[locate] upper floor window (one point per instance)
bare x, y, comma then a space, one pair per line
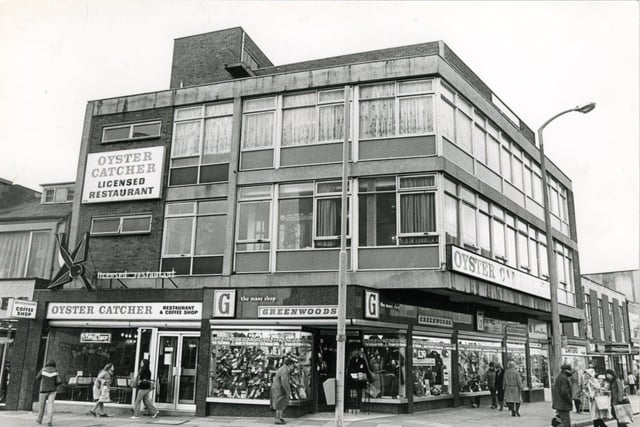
131, 131
132, 224
612, 316
201, 144
587, 315
58, 195
254, 219
313, 117
258, 123
397, 210
396, 109
24, 254
194, 237
601, 319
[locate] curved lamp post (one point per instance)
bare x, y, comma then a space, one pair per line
556, 356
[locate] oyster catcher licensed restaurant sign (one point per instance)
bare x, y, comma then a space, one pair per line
115, 176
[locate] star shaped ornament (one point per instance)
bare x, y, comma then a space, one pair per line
73, 267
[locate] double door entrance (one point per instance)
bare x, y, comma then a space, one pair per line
173, 357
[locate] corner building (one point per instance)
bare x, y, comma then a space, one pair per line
213, 213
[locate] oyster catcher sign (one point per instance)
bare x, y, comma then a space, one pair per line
125, 311
115, 176
474, 265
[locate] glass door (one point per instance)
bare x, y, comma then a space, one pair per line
176, 366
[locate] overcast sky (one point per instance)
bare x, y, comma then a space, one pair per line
538, 57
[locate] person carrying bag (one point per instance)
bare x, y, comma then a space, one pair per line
620, 406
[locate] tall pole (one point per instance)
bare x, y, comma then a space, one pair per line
341, 334
556, 355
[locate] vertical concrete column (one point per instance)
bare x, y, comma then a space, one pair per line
234, 167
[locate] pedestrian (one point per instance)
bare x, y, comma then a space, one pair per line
631, 380
49, 382
561, 395
575, 390
142, 382
499, 385
594, 389
512, 385
101, 391
617, 393
491, 383
280, 390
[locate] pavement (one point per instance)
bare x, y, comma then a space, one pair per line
536, 414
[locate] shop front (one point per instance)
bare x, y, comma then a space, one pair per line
84, 337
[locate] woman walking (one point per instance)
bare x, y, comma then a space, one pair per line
594, 389
617, 393
145, 386
512, 385
281, 390
101, 391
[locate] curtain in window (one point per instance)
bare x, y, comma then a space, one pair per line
417, 214
377, 118
186, 141
328, 222
416, 115
299, 126
38, 255
258, 130
295, 222
331, 123
13, 247
217, 135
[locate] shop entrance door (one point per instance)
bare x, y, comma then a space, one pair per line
176, 363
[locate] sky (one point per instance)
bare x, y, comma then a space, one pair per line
539, 57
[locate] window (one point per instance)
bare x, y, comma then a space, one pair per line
329, 213
587, 314
396, 109
131, 131
201, 144
194, 237
474, 358
621, 320
455, 122
58, 195
417, 209
493, 154
24, 254
295, 216
254, 216
431, 366
136, 224
533, 252
258, 123
386, 354
601, 319
313, 117
499, 247
377, 209
256, 354
613, 323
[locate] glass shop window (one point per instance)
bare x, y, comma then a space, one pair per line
431, 366
386, 354
473, 360
539, 366
516, 353
243, 363
80, 355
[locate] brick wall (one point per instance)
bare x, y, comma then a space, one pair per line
140, 252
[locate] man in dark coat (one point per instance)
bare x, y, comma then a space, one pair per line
562, 402
281, 390
499, 385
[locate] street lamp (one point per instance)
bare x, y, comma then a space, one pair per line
556, 356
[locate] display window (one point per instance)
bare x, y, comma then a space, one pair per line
539, 366
386, 355
473, 360
80, 355
243, 363
431, 366
516, 352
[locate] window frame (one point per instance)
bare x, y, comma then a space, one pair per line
131, 127
317, 105
253, 200
121, 218
276, 117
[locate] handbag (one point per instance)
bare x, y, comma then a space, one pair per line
603, 402
104, 394
624, 413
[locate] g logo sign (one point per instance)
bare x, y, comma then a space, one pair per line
224, 303
371, 305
